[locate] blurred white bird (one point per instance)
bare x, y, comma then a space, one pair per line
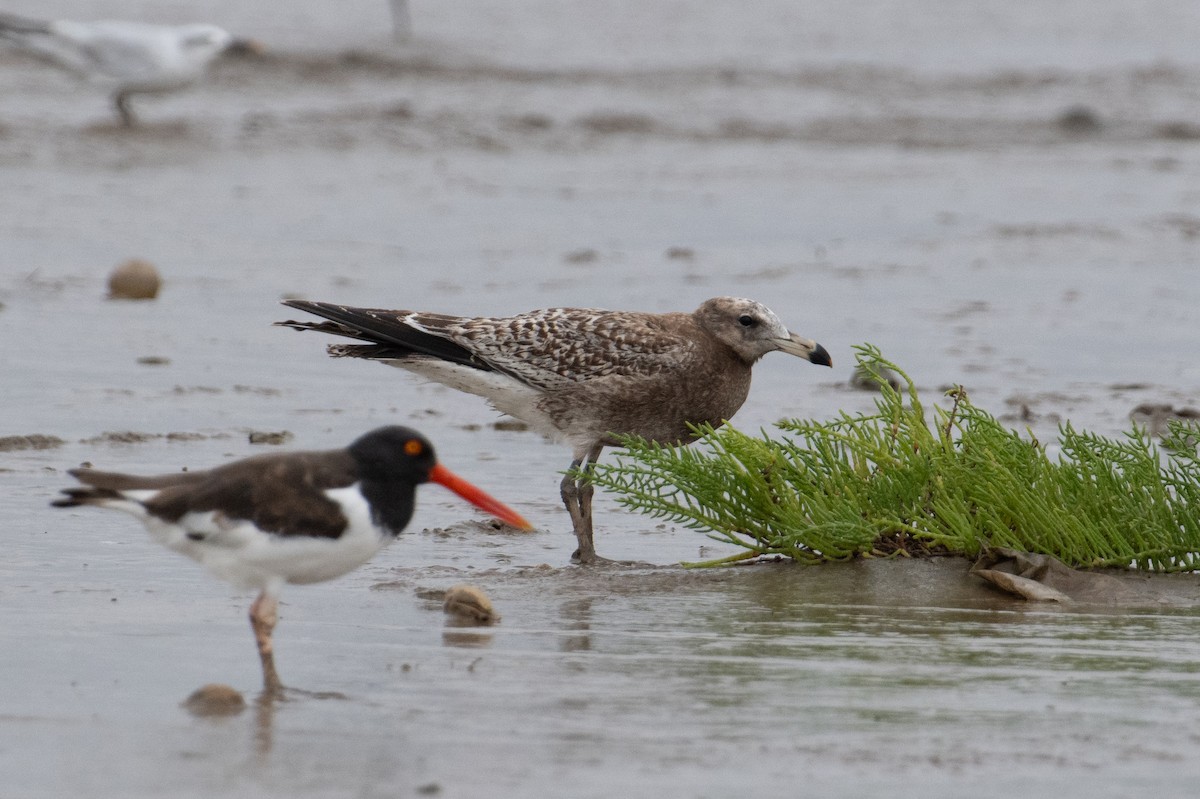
130, 57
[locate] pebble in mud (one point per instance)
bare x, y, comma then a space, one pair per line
1154, 416
1080, 120
215, 699
274, 438
469, 604
134, 280
33, 441
861, 379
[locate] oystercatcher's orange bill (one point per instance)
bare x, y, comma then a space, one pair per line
478, 497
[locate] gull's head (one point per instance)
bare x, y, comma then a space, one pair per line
202, 43
751, 329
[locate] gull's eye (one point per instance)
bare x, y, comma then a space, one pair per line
746, 320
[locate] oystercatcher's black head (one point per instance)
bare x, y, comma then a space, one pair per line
394, 455
393, 461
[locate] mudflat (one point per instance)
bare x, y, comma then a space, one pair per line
1008, 203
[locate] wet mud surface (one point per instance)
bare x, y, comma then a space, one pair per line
1011, 206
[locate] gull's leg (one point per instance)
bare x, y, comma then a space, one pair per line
586, 554
569, 489
401, 20
121, 99
586, 491
263, 617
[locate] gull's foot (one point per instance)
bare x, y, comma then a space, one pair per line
592, 559
283, 693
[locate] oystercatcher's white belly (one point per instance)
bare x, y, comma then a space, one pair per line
237, 551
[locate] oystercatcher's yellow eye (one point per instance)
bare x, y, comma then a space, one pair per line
413, 447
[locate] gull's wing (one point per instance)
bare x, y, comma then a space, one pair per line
119, 51
568, 345
122, 51
543, 349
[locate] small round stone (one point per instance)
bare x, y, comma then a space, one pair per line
215, 699
134, 280
468, 603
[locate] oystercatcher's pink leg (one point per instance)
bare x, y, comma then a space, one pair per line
263, 617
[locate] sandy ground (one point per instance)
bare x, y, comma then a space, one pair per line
1005, 199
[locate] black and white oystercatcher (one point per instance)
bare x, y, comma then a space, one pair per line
298, 517
580, 375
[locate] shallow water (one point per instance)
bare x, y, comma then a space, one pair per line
907, 176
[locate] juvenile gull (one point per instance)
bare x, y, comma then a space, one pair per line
580, 375
300, 517
128, 57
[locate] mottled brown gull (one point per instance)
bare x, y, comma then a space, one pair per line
580, 375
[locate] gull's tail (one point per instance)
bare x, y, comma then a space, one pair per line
34, 37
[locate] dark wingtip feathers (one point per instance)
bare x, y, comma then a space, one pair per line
301, 305
83, 495
308, 306
387, 333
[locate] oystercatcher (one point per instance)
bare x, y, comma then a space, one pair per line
296, 517
580, 375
